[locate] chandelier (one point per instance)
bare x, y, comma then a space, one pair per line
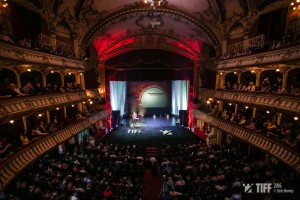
295, 4
3, 3
153, 3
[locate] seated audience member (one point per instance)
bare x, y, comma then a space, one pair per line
280, 90
42, 127
173, 193
265, 86
295, 91
251, 125
232, 118
18, 90
243, 120
79, 116
271, 126
38, 133
28, 89
24, 139
38, 89
235, 86
243, 87
250, 88
11, 91
107, 192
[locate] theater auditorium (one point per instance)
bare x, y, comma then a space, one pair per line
149, 99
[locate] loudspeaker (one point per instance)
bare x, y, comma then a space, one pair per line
183, 116
115, 118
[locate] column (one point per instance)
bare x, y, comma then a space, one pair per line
48, 116
254, 113
76, 47
82, 83
258, 72
217, 80
44, 82
285, 75
196, 70
222, 79
221, 105
239, 77
65, 112
62, 78
236, 109
80, 107
24, 121
279, 116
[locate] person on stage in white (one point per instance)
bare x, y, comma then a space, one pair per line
134, 116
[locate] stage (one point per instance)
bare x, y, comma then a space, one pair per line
151, 132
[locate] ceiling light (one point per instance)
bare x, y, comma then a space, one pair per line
39, 115
52, 71
11, 121
268, 112
72, 105
246, 107
296, 118
234, 72
57, 108
277, 70
230, 104
153, 3
208, 102
70, 73
29, 70
252, 71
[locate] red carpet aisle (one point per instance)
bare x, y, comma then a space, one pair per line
152, 185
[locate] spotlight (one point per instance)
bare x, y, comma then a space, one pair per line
154, 116
11, 121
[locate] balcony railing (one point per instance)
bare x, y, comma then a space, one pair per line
280, 102
284, 153
20, 106
17, 162
30, 56
282, 55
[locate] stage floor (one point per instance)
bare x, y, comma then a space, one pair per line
151, 132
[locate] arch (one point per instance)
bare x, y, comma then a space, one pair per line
236, 31
247, 77
54, 78
6, 76
231, 78
272, 74
33, 77
124, 12
69, 78
294, 78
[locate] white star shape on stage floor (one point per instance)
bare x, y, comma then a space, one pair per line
166, 132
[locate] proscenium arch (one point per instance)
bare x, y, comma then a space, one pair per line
181, 51
134, 9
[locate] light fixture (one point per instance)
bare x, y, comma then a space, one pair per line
70, 73
3, 3
230, 104
234, 72
296, 118
52, 72
277, 70
80, 74
57, 108
295, 4
29, 70
91, 102
72, 105
268, 112
252, 71
246, 107
83, 102
39, 115
208, 102
221, 73
154, 3
11, 121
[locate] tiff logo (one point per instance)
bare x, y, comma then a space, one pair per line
260, 187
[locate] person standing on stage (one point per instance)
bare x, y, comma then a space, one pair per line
134, 116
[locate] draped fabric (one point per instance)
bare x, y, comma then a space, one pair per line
179, 96
118, 90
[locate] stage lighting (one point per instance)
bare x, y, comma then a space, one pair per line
154, 116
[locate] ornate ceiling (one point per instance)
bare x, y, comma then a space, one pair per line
114, 27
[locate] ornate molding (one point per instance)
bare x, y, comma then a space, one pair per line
280, 102
13, 107
284, 153
17, 162
23, 55
285, 55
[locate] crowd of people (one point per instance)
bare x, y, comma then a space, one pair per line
15, 90
288, 132
85, 171
14, 137
198, 171
287, 40
265, 87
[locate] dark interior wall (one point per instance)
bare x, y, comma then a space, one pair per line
25, 23
272, 24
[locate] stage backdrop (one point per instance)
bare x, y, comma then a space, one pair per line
149, 97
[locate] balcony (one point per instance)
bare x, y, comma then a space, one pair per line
22, 55
15, 164
20, 106
276, 56
280, 102
284, 153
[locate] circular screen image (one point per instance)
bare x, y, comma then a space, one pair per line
154, 97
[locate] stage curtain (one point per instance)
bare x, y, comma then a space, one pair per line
118, 91
179, 96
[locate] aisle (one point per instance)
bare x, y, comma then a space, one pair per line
152, 185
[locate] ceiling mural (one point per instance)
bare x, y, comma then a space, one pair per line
180, 26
